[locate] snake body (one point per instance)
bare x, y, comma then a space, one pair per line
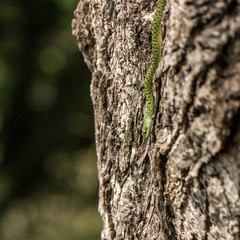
156, 56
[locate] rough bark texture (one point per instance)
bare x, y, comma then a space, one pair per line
183, 182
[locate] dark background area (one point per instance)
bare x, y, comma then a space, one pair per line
48, 176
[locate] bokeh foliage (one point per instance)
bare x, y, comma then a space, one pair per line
48, 176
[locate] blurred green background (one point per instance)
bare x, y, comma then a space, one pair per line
48, 175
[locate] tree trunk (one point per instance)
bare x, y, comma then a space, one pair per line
183, 182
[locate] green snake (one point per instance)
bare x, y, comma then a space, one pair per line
156, 56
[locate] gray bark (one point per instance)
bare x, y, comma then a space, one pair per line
183, 182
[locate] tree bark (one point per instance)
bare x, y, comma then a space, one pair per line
183, 182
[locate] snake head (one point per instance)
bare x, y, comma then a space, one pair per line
146, 128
